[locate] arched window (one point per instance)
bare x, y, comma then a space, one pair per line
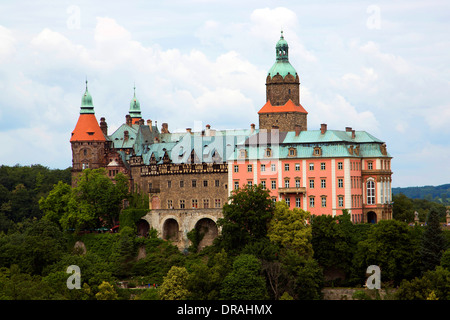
370, 192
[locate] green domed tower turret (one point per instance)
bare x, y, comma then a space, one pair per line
135, 107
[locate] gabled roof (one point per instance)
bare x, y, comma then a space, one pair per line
315, 136
87, 129
118, 137
288, 107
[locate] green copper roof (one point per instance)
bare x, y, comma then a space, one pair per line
282, 65
86, 102
135, 107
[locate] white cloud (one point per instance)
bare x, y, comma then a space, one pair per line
7, 44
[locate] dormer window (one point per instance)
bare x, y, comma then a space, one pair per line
268, 152
317, 151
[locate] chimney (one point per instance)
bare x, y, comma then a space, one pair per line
208, 130
348, 129
252, 128
141, 122
149, 123
353, 134
189, 130
165, 128
297, 128
125, 135
323, 128
103, 126
128, 120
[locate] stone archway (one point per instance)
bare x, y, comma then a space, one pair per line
171, 230
142, 228
371, 217
208, 228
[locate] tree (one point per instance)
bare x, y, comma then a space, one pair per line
174, 286
95, 201
334, 242
435, 283
289, 229
391, 245
244, 282
433, 242
245, 218
403, 208
106, 292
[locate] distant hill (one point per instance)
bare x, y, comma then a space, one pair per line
439, 194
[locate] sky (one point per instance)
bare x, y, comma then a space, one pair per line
378, 66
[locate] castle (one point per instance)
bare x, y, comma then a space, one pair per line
188, 176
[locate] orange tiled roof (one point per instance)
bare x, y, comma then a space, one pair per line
288, 107
87, 129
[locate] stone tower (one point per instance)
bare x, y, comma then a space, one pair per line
282, 109
88, 140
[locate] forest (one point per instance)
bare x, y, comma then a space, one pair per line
265, 250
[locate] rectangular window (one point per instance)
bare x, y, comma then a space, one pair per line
236, 168
217, 203
205, 203
322, 166
181, 184
286, 183
311, 183
297, 167
297, 202
194, 203
340, 183
194, 183
273, 184
311, 166
292, 152
263, 184
311, 202
286, 167
249, 168
273, 168
217, 183
236, 185
169, 204
169, 184
339, 165
288, 201
297, 183
182, 204
340, 201
263, 167
205, 183
250, 183
370, 166
323, 183
324, 202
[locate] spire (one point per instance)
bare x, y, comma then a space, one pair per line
282, 65
135, 106
86, 102
282, 48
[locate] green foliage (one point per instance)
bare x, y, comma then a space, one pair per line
334, 241
439, 194
245, 218
290, 230
95, 201
106, 292
433, 242
391, 245
434, 283
174, 286
244, 282
130, 216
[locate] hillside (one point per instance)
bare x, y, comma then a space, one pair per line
439, 194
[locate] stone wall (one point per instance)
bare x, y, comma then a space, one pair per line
285, 121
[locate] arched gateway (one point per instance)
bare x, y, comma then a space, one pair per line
174, 225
